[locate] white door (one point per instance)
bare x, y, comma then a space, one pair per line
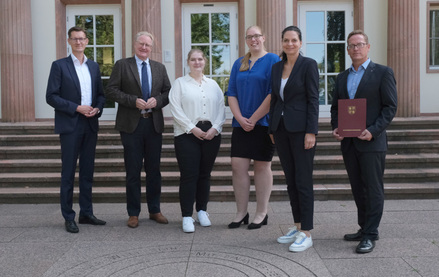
103, 26
325, 27
213, 28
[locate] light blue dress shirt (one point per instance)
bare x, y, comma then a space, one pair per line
354, 78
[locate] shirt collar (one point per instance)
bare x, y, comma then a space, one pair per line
139, 61
76, 61
364, 65
189, 78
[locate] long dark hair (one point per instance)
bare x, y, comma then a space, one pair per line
296, 29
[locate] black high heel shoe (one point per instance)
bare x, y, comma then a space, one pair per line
252, 225
234, 225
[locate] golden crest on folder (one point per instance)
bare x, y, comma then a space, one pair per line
351, 109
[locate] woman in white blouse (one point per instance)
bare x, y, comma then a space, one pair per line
197, 106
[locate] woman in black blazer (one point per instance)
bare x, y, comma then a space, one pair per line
294, 113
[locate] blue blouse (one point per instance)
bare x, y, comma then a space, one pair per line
251, 87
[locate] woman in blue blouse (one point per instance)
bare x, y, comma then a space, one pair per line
249, 100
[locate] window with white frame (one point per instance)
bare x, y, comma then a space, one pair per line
325, 27
433, 37
103, 26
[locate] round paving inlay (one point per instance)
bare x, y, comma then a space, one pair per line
187, 259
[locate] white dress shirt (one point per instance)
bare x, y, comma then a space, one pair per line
84, 80
191, 102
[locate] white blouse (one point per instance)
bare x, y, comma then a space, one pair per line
191, 102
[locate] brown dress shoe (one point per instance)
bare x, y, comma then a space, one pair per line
159, 218
133, 221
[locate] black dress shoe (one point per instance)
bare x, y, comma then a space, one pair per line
252, 226
365, 246
71, 226
90, 219
358, 236
354, 237
234, 225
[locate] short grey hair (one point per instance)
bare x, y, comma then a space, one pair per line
144, 33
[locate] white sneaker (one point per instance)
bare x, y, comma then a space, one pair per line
188, 224
203, 218
289, 237
301, 244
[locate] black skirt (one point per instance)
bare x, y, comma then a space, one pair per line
255, 144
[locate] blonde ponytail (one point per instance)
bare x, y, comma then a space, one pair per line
245, 62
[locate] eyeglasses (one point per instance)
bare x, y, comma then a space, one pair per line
359, 45
78, 39
253, 37
144, 44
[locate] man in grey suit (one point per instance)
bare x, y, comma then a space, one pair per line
141, 86
365, 155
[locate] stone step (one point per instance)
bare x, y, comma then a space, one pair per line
116, 151
107, 126
31, 195
219, 178
168, 138
321, 162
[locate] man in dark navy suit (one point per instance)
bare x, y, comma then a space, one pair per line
364, 156
75, 91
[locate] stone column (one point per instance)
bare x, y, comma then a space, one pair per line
270, 16
17, 83
146, 16
403, 54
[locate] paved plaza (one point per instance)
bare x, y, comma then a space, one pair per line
33, 242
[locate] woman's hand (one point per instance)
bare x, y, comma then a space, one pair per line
198, 133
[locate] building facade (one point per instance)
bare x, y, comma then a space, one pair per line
404, 34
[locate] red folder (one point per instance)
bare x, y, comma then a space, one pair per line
351, 117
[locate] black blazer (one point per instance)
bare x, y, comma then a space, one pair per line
64, 94
300, 106
124, 87
378, 86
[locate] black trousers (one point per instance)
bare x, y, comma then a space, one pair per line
143, 146
366, 171
82, 143
195, 159
297, 164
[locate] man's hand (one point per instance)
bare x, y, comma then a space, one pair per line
310, 140
87, 111
146, 105
337, 135
365, 135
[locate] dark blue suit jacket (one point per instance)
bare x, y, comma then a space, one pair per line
378, 87
64, 94
300, 106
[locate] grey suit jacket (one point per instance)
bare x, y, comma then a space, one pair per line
124, 88
378, 87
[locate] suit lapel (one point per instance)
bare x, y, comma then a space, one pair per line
344, 81
154, 75
277, 76
72, 71
92, 77
365, 79
293, 75
133, 67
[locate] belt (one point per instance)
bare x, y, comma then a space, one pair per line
146, 115
204, 122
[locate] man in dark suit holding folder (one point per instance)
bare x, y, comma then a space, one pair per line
364, 156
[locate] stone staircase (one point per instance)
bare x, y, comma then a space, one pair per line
30, 164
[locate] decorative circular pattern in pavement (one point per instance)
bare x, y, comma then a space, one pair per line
186, 260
